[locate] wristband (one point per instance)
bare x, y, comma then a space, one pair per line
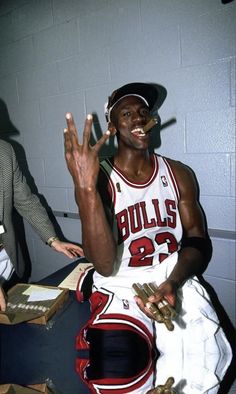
51, 240
202, 244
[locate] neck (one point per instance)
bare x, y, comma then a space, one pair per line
135, 165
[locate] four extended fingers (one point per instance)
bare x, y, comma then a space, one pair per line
71, 136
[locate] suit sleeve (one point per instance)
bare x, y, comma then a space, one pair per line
28, 204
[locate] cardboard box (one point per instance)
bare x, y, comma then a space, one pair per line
32, 303
32, 389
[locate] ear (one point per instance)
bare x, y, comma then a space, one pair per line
111, 128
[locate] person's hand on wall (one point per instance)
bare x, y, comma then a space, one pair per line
69, 249
2, 301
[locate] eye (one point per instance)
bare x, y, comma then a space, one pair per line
145, 111
126, 114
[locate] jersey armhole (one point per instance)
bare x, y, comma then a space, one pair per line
173, 179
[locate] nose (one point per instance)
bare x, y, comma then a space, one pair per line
139, 117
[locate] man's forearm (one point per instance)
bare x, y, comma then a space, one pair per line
97, 238
190, 262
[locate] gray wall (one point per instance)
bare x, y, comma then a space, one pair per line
59, 56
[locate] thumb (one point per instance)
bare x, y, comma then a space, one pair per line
102, 141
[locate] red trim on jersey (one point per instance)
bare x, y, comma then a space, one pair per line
79, 293
94, 386
132, 384
129, 384
173, 178
106, 321
117, 321
137, 185
100, 301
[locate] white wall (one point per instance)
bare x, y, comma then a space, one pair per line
69, 55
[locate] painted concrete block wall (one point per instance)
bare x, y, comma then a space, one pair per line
59, 56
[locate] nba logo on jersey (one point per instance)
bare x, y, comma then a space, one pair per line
125, 304
164, 181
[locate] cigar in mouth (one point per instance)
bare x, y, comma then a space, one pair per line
152, 122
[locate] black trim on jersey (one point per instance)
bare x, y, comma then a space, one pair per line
104, 186
203, 245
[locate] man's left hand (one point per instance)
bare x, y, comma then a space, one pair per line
67, 248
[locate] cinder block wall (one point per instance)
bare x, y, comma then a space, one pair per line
69, 55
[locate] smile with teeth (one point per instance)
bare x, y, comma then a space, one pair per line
142, 131
138, 131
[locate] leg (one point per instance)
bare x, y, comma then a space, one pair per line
120, 346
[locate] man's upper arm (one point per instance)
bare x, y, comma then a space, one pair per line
191, 213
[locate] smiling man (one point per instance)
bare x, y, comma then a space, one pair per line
141, 223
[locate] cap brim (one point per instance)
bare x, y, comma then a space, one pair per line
145, 90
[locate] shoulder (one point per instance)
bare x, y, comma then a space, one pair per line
179, 168
185, 177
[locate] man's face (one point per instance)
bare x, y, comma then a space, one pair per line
129, 116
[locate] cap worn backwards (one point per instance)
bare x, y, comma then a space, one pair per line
147, 92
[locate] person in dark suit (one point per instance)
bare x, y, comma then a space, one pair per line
15, 193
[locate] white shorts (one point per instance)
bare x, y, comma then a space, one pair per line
196, 353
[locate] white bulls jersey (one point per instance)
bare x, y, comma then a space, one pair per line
146, 223
148, 229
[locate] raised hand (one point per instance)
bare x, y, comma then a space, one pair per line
83, 163
82, 159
